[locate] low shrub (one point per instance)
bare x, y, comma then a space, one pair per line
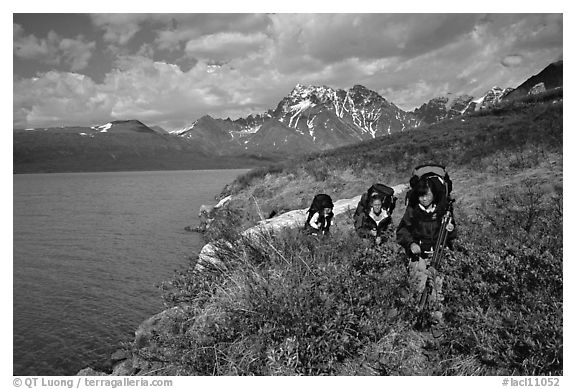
319, 172
245, 180
505, 301
293, 303
285, 303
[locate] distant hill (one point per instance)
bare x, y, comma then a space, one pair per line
119, 145
551, 77
124, 126
159, 130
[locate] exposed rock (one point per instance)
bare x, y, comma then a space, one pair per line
206, 214
163, 324
223, 202
148, 336
90, 372
124, 368
538, 88
120, 355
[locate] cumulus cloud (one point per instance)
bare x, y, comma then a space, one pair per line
31, 47
237, 64
53, 49
58, 98
119, 28
146, 50
76, 52
152, 91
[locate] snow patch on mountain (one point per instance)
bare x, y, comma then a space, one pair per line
250, 130
182, 131
310, 125
491, 97
319, 118
179, 131
302, 105
102, 128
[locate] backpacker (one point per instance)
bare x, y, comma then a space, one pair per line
320, 202
384, 192
430, 171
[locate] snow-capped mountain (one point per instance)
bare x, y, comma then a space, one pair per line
251, 123
316, 118
447, 107
444, 107
490, 98
310, 118
359, 111
450, 106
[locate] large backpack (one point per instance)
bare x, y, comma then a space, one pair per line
320, 202
384, 192
430, 171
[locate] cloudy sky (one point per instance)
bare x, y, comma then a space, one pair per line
171, 69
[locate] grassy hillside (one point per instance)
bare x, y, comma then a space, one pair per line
482, 152
290, 304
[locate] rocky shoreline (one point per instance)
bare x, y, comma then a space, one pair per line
125, 362
175, 320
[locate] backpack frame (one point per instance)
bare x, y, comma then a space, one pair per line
319, 202
384, 192
426, 171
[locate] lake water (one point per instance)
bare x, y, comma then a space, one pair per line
90, 250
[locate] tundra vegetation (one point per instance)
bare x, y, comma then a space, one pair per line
290, 304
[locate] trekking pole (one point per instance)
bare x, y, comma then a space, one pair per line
436, 258
443, 236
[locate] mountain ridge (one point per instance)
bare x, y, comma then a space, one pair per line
309, 119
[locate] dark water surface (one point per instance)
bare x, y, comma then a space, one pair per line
89, 252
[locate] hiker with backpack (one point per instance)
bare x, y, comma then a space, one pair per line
426, 227
373, 214
320, 215
373, 225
